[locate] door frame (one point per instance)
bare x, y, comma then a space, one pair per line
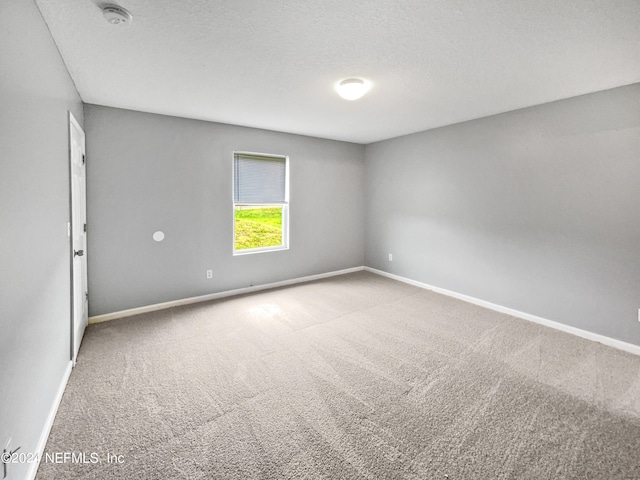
73, 123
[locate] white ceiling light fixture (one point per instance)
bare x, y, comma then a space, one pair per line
116, 15
353, 88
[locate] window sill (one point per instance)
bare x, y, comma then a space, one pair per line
250, 251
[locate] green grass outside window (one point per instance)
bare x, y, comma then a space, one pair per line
258, 227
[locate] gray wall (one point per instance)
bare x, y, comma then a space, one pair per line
36, 93
536, 209
149, 172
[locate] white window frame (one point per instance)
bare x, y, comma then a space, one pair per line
285, 206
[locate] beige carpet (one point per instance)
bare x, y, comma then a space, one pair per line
352, 377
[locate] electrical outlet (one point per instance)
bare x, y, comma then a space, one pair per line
391, 257
5, 450
209, 274
7, 456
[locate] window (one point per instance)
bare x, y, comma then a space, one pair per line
260, 202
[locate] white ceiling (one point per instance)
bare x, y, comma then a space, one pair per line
273, 63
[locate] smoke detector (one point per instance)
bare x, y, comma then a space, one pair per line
116, 15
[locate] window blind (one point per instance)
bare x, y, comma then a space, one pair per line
259, 179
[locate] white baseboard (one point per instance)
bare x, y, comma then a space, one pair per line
611, 342
46, 429
215, 296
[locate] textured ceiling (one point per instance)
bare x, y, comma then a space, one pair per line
273, 64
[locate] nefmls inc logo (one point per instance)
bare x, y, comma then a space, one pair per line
72, 457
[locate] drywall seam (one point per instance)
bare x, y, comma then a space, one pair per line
215, 296
46, 429
611, 342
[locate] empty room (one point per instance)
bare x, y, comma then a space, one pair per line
320, 240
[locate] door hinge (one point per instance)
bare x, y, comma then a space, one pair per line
85, 228
86, 296
83, 159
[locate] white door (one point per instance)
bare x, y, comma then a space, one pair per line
80, 295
